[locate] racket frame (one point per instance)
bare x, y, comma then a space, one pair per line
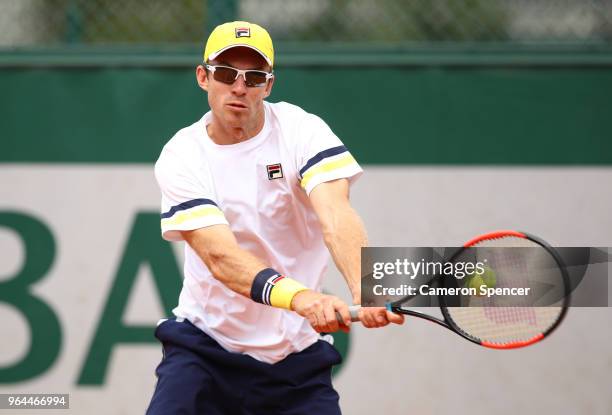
450, 324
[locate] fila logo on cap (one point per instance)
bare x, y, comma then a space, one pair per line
243, 32
275, 171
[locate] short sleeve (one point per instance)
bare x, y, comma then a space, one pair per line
187, 198
322, 157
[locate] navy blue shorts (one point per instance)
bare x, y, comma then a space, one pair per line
197, 376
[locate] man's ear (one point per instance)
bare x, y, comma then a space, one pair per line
202, 77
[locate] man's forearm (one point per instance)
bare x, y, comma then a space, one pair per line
227, 262
345, 235
235, 269
241, 271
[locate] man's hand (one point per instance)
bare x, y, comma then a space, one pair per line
320, 310
372, 317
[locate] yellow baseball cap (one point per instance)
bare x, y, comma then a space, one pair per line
232, 34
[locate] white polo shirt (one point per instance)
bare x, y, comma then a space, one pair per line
260, 188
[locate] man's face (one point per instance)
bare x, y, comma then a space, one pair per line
236, 105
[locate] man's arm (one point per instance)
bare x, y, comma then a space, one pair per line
343, 231
344, 235
233, 266
236, 268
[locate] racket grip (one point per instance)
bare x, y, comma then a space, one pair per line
354, 310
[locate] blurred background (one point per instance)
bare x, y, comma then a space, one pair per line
467, 115
46, 23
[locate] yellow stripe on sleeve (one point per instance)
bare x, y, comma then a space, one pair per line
327, 167
191, 214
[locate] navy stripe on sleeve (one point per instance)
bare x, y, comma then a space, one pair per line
320, 156
187, 205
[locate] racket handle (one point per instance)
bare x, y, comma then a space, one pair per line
354, 310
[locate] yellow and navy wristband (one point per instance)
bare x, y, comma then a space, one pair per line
272, 288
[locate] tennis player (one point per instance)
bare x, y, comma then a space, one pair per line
260, 193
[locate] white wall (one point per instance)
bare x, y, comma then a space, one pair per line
418, 368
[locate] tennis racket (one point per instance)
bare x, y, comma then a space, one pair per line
487, 322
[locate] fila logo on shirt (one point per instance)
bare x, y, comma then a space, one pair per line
243, 32
275, 171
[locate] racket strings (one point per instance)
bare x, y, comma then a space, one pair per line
505, 319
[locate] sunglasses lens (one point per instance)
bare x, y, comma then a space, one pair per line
228, 76
225, 75
255, 78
